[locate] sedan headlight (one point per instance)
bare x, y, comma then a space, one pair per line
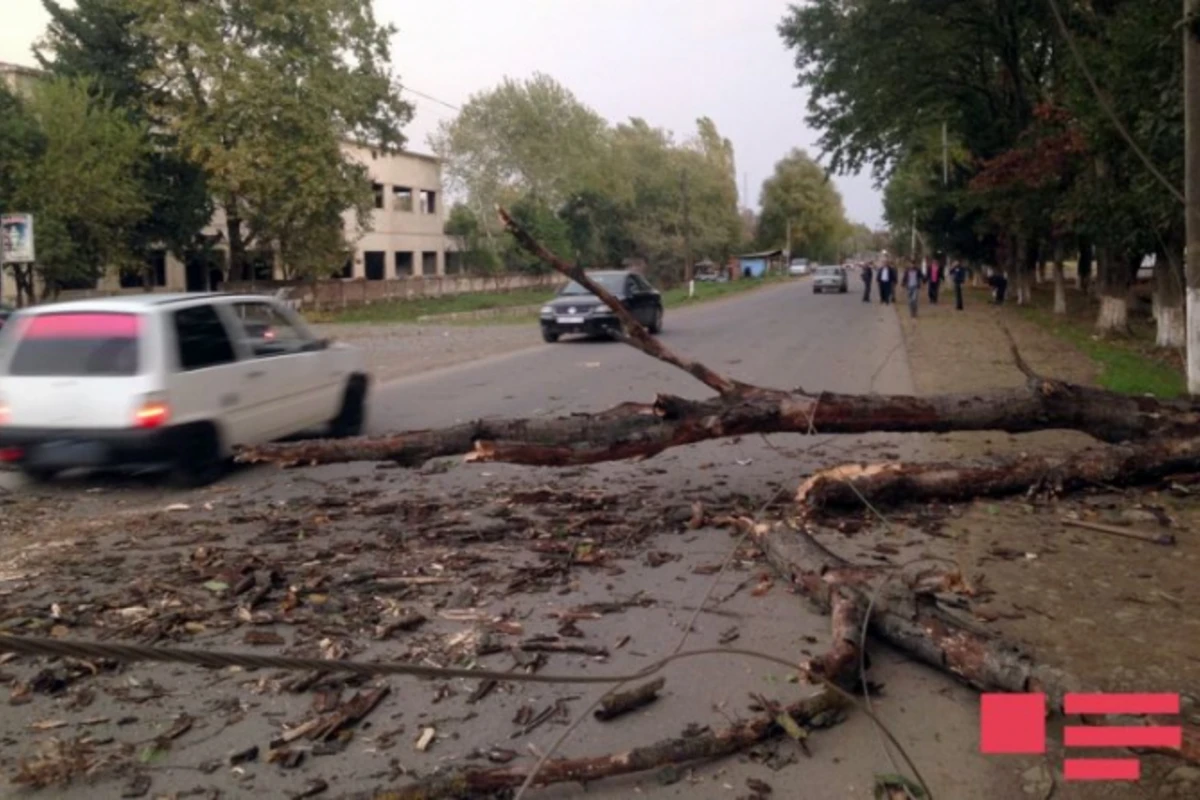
600, 311
547, 311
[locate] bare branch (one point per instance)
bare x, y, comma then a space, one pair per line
635, 334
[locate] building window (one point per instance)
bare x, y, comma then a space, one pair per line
428, 201
155, 268
374, 260
377, 188
454, 262
429, 263
404, 264
348, 269
402, 197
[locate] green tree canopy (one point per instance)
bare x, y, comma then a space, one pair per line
255, 90
799, 192
98, 40
78, 175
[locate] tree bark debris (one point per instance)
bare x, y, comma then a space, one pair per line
814, 711
847, 486
616, 704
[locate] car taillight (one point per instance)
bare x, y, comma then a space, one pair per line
5, 413
153, 413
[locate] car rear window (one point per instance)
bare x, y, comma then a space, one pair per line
77, 345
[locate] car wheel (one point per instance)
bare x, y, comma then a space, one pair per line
353, 414
39, 475
816, 290
845, 289
550, 337
656, 324
198, 461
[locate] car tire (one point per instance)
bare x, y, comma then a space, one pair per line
549, 337
199, 461
816, 290
845, 289
352, 416
39, 475
656, 325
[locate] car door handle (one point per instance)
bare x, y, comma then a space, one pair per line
258, 373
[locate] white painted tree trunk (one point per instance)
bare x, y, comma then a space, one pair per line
1171, 327
1193, 339
1060, 289
1114, 315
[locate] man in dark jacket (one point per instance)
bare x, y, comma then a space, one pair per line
999, 283
958, 274
867, 275
887, 279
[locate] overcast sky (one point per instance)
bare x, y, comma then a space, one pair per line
668, 61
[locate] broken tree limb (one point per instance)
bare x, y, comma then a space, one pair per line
616, 704
634, 333
638, 430
814, 711
840, 663
915, 624
848, 485
1164, 539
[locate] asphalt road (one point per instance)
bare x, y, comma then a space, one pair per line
784, 337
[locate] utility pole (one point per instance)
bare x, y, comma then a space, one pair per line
1191, 115
945, 156
687, 230
912, 253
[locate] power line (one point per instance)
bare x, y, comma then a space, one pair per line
429, 97
1108, 109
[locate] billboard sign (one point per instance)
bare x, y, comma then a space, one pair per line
16, 234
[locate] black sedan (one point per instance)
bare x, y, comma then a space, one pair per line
576, 310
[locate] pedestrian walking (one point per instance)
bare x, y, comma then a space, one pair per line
887, 279
912, 282
867, 275
935, 280
958, 274
999, 283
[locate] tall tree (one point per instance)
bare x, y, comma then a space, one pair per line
98, 40
80, 183
800, 193
523, 136
242, 83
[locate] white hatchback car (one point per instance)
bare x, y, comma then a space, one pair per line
167, 381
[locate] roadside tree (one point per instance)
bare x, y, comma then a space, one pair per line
251, 90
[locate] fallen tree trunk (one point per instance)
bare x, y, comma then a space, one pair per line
638, 430
915, 624
810, 712
847, 486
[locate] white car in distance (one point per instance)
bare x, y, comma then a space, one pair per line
171, 382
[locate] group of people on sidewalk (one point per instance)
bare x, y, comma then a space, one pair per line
887, 275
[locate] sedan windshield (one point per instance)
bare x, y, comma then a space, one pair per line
833, 271
614, 283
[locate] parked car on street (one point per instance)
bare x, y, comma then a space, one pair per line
577, 310
798, 267
167, 382
830, 279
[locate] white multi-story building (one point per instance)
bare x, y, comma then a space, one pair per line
405, 238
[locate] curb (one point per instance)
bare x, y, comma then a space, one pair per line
483, 313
